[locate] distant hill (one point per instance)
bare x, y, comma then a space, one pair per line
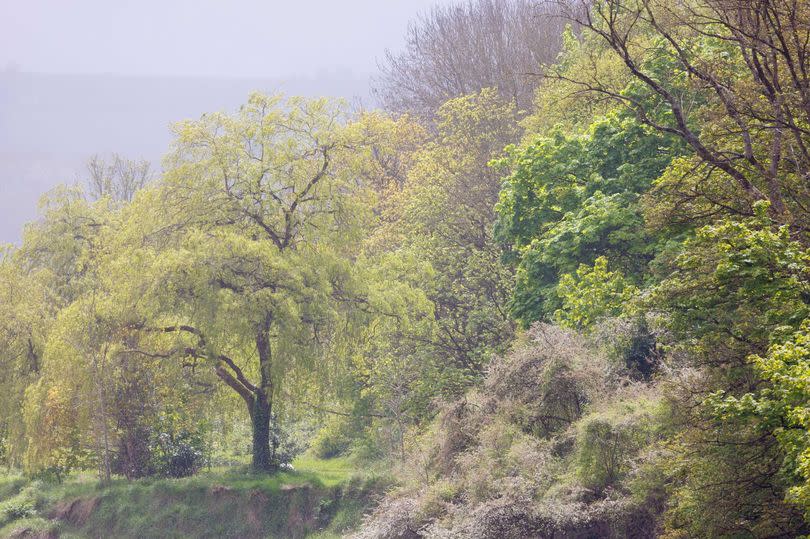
51, 124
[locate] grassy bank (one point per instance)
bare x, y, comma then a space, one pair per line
324, 498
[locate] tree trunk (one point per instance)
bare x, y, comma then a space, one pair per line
260, 419
258, 398
263, 452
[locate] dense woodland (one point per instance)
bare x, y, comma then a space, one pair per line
558, 284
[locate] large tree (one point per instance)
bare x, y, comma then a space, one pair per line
250, 260
441, 220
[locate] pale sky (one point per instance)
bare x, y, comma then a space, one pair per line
247, 38
80, 77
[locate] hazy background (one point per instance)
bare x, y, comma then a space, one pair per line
100, 76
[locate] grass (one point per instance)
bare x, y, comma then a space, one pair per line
11, 485
35, 524
322, 497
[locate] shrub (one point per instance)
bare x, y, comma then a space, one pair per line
436, 500
285, 446
608, 441
545, 384
506, 460
178, 455
51, 474
20, 506
15, 509
134, 457
544, 448
334, 438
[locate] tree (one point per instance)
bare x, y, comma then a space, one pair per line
733, 286
737, 287
592, 294
780, 408
118, 179
571, 198
253, 256
727, 80
457, 50
443, 217
745, 62
786, 405
434, 290
26, 313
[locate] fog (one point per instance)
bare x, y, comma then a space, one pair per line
87, 77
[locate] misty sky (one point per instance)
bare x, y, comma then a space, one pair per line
223, 38
81, 77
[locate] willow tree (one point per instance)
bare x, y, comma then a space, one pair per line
25, 315
250, 261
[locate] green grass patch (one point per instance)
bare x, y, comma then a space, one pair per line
32, 524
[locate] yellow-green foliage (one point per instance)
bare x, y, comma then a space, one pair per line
334, 438
787, 401
592, 294
58, 435
559, 102
27, 307
404, 272
608, 440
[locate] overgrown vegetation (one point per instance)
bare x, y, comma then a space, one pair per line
580, 315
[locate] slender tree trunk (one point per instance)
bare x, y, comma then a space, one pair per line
99, 371
105, 466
